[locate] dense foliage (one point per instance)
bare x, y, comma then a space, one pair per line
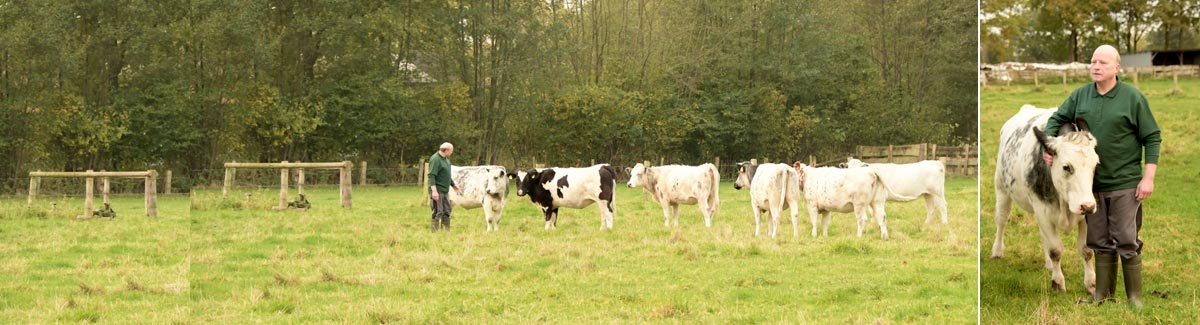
189, 84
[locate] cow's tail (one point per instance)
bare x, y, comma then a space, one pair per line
612, 179
783, 191
890, 192
714, 198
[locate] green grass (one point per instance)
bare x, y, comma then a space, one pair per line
1016, 289
55, 268
380, 263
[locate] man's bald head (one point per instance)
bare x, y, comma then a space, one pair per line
1106, 61
446, 149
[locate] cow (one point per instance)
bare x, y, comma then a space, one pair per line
482, 186
577, 188
1058, 194
673, 185
772, 188
920, 179
858, 190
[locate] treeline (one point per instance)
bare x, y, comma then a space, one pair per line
187, 85
1069, 30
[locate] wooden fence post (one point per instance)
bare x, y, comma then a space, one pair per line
104, 188
300, 180
228, 180
152, 194
933, 152
345, 186
283, 187
167, 183
1035, 78
1064, 78
1135, 77
87, 196
425, 182
889, 157
362, 174
33, 189
1175, 75
754, 161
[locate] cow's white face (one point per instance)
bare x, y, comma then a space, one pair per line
1073, 169
521, 182
745, 174
497, 182
636, 176
854, 163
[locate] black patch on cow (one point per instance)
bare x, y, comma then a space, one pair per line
1039, 179
533, 188
608, 180
550, 214
562, 183
1055, 254
546, 175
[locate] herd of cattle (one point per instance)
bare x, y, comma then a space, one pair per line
859, 188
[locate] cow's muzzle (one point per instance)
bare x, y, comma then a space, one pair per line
1087, 208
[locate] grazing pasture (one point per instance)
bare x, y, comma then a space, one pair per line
1016, 289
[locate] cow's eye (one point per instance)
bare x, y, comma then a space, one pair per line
1069, 169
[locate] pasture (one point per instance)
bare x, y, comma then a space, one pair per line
1016, 289
380, 263
57, 269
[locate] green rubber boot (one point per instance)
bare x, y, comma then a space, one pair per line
1106, 277
1132, 267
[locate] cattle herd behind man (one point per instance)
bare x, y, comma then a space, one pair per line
860, 189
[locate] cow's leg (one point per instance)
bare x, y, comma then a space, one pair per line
776, 210
675, 213
1089, 272
930, 206
825, 223
795, 219
757, 216
606, 216
666, 213
881, 218
487, 215
1052, 248
860, 213
940, 201
707, 209
548, 216
1003, 206
814, 217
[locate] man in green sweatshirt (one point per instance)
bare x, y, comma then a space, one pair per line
439, 190
1120, 119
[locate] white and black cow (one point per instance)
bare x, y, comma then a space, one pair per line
673, 185
772, 188
482, 186
576, 188
909, 181
1058, 194
857, 190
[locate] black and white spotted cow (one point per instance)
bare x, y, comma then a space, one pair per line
673, 185
1058, 194
482, 186
577, 188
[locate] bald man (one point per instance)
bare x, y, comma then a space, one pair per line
439, 175
1125, 131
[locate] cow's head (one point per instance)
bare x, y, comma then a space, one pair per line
854, 163
636, 175
497, 181
745, 174
799, 167
1074, 164
524, 180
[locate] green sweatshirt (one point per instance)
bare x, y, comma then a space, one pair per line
1123, 126
439, 173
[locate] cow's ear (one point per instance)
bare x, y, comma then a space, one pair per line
547, 175
1044, 141
628, 170
1082, 125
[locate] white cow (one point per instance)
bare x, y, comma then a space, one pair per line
482, 186
673, 185
1058, 194
857, 190
772, 188
575, 188
924, 178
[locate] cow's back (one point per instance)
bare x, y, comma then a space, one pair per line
774, 184
1016, 154
577, 187
915, 179
685, 184
473, 181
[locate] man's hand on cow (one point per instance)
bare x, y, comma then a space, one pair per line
1145, 188
1049, 159
457, 190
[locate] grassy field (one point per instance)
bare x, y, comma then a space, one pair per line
1016, 289
57, 269
380, 263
